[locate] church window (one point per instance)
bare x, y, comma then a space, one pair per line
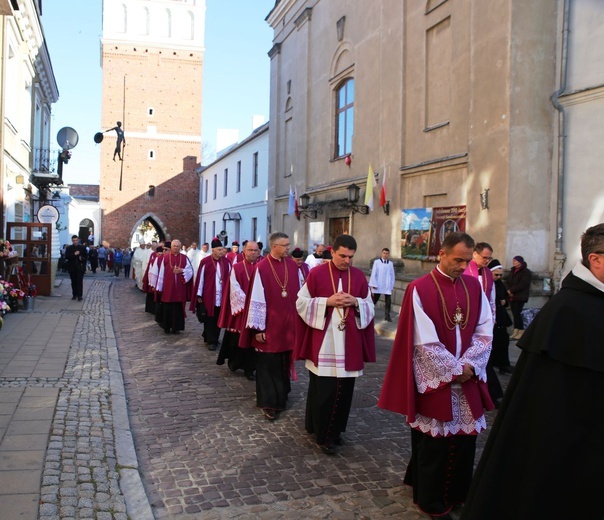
344, 118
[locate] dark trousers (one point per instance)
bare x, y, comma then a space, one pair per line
77, 283
211, 329
272, 379
517, 314
328, 406
493, 383
244, 358
172, 316
150, 305
126, 270
500, 353
103, 263
117, 268
440, 470
387, 305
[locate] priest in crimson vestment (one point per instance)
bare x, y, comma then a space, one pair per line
150, 280
231, 315
212, 276
174, 276
436, 377
272, 323
336, 306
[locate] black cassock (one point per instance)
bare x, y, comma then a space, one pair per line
544, 457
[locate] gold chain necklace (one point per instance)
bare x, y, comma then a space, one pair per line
216, 264
284, 284
245, 269
458, 317
342, 324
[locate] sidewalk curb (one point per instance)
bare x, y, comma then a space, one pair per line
137, 502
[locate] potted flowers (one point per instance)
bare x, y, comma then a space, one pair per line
9, 297
7, 255
4, 292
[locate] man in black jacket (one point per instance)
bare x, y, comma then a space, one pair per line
75, 256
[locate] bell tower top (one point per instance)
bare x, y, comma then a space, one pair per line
177, 24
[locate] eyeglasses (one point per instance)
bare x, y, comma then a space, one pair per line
489, 258
283, 245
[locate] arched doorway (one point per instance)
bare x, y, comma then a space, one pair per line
86, 230
148, 229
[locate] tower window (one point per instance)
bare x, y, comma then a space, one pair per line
150, 111
151, 191
151, 155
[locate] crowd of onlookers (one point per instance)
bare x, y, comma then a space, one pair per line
104, 258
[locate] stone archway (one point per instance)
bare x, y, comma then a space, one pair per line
86, 229
155, 223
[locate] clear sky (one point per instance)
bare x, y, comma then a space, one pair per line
235, 83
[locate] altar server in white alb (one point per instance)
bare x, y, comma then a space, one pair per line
382, 280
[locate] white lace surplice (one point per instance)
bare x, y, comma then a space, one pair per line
236, 296
433, 364
332, 354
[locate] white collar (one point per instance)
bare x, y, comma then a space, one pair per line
580, 271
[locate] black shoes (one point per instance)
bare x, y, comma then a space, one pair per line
250, 376
213, 348
80, 299
328, 449
269, 413
74, 297
388, 318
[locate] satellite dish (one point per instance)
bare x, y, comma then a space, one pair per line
98, 137
67, 138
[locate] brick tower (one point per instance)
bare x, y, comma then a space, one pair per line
152, 59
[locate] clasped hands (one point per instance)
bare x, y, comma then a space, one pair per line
466, 375
178, 270
341, 299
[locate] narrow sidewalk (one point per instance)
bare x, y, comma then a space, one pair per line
65, 445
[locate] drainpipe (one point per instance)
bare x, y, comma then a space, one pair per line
559, 255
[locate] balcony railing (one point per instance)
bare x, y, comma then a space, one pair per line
44, 160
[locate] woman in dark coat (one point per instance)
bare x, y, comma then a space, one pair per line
519, 284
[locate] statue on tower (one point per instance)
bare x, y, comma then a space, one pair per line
120, 143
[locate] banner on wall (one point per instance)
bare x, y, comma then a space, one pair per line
416, 225
445, 220
424, 229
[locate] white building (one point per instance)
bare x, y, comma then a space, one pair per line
234, 192
28, 89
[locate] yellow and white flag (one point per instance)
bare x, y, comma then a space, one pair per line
369, 190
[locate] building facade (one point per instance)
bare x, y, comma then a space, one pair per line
579, 98
449, 101
234, 192
27, 91
152, 60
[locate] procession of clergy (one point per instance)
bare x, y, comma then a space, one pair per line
276, 309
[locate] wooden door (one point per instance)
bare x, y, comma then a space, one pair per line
338, 226
33, 241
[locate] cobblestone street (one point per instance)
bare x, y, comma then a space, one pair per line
104, 416
204, 447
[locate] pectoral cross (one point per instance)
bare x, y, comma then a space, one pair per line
458, 316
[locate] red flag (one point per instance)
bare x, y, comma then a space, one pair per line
297, 211
383, 196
